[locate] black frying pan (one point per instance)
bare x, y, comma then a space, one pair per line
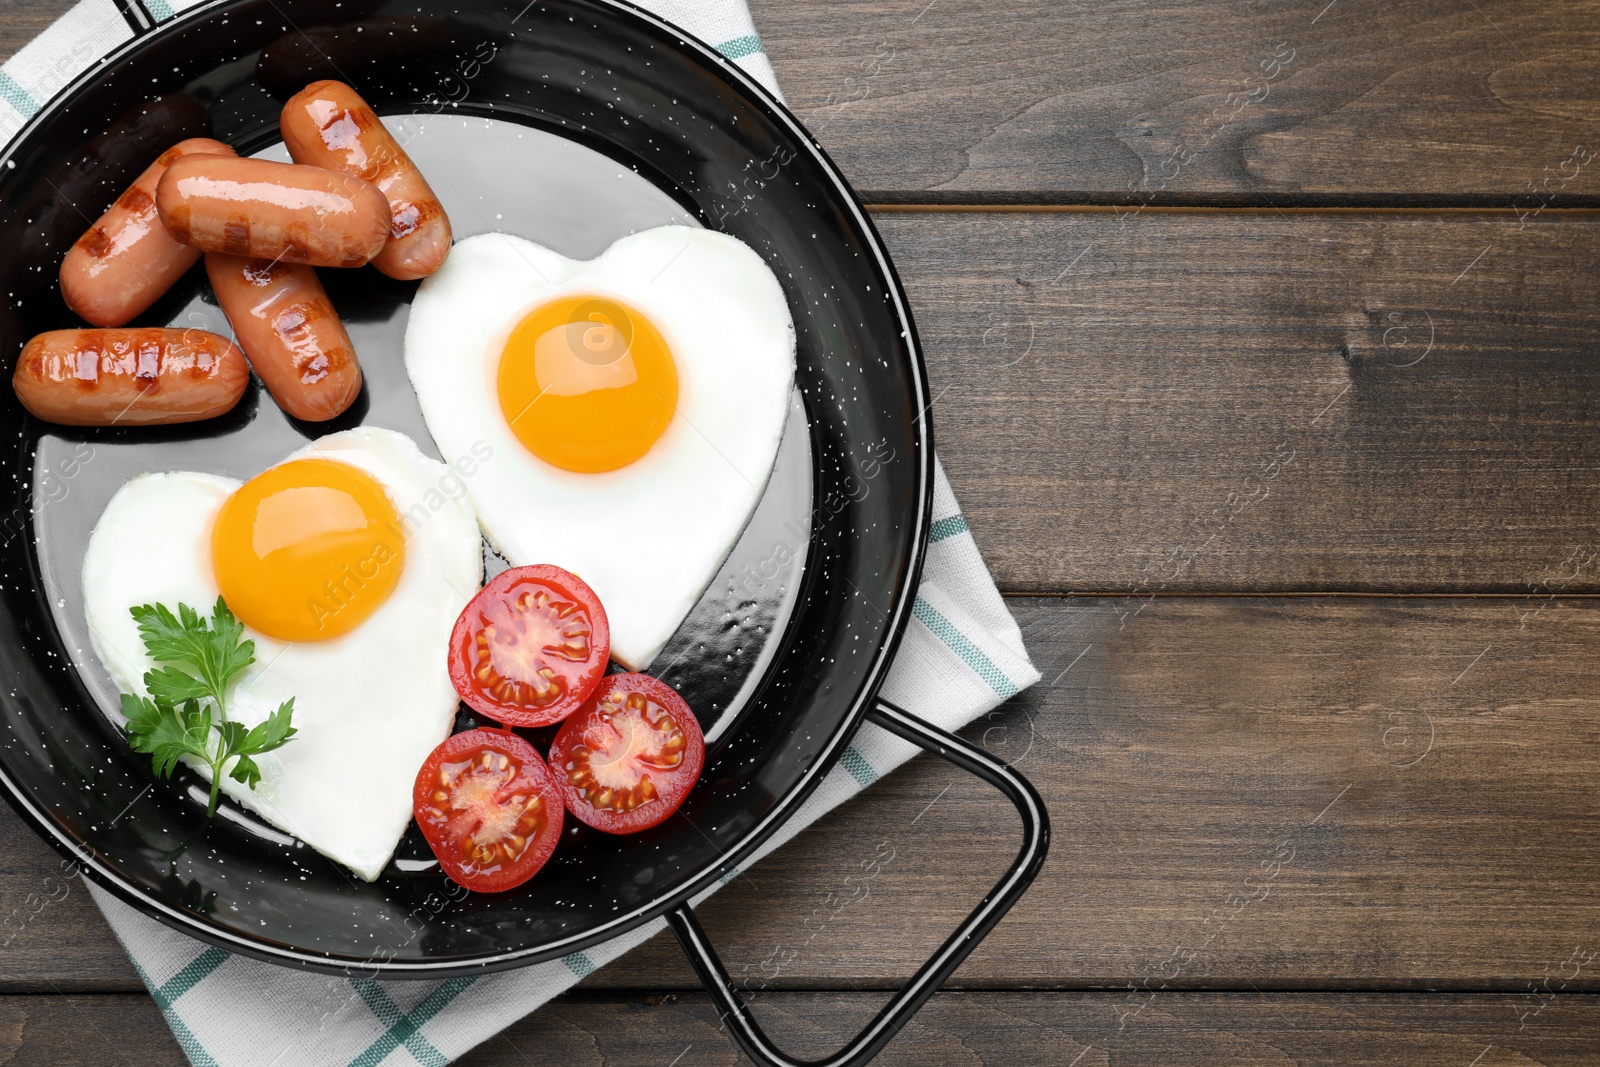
571, 122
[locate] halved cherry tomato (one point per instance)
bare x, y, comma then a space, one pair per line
627, 760
490, 809
530, 647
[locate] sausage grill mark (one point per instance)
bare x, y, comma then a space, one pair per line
97, 242
411, 215
138, 202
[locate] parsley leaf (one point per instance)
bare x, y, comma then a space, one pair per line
233, 733
246, 771
212, 655
273, 732
169, 685
201, 660
166, 731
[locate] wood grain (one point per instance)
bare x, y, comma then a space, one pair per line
93, 1031
1356, 101
1073, 1030
23, 20
1009, 1029
52, 937
1256, 402
1291, 794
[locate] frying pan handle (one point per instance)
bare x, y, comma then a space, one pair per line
1035, 843
137, 16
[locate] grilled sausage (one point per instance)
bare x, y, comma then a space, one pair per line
129, 377
327, 124
273, 211
289, 330
127, 260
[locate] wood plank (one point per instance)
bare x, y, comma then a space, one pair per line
1013, 1029
1356, 101
1021, 1029
1256, 402
1291, 794
86, 1031
23, 20
1360, 102
52, 937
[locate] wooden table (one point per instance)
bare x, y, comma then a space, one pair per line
1266, 347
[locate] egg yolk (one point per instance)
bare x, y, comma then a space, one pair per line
307, 550
587, 384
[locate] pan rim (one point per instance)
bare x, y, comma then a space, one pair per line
785, 807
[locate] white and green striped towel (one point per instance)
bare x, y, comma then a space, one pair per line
961, 656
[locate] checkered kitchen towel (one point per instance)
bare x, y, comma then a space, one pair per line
961, 656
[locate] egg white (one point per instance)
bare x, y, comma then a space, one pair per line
370, 705
649, 537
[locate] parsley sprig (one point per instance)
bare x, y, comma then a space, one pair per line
186, 711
